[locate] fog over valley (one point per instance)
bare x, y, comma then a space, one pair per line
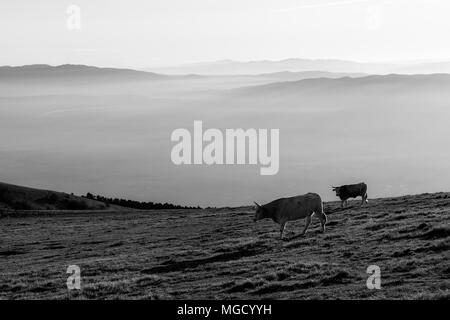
107, 131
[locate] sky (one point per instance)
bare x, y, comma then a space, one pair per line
150, 33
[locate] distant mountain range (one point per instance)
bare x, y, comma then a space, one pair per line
437, 82
425, 68
68, 73
231, 67
74, 73
278, 71
300, 75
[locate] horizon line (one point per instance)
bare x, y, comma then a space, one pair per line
196, 63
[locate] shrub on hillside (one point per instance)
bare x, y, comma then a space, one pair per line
73, 204
5, 196
21, 205
52, 198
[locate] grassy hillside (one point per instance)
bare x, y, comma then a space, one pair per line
24, 198
222, 254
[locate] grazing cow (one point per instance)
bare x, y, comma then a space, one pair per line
288, 209
351, 191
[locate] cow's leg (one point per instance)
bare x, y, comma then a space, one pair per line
342, 204
323, 220
364, 199
283, 224
308, 221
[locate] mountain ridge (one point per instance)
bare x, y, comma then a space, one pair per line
354, 81
73, 72
235, 67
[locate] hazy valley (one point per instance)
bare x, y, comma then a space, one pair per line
111, 134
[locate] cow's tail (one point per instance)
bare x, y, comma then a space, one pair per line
323, 213
365, 196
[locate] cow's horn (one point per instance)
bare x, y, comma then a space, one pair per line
256, 204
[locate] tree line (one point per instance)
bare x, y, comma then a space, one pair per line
141, 205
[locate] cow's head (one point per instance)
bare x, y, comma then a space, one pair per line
337, 190
259, 212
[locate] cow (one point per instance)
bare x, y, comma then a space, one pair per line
351, 191
288, 209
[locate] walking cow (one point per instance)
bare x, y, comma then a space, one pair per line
288, 209
351, 191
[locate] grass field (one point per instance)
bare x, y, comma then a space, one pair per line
222, 254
